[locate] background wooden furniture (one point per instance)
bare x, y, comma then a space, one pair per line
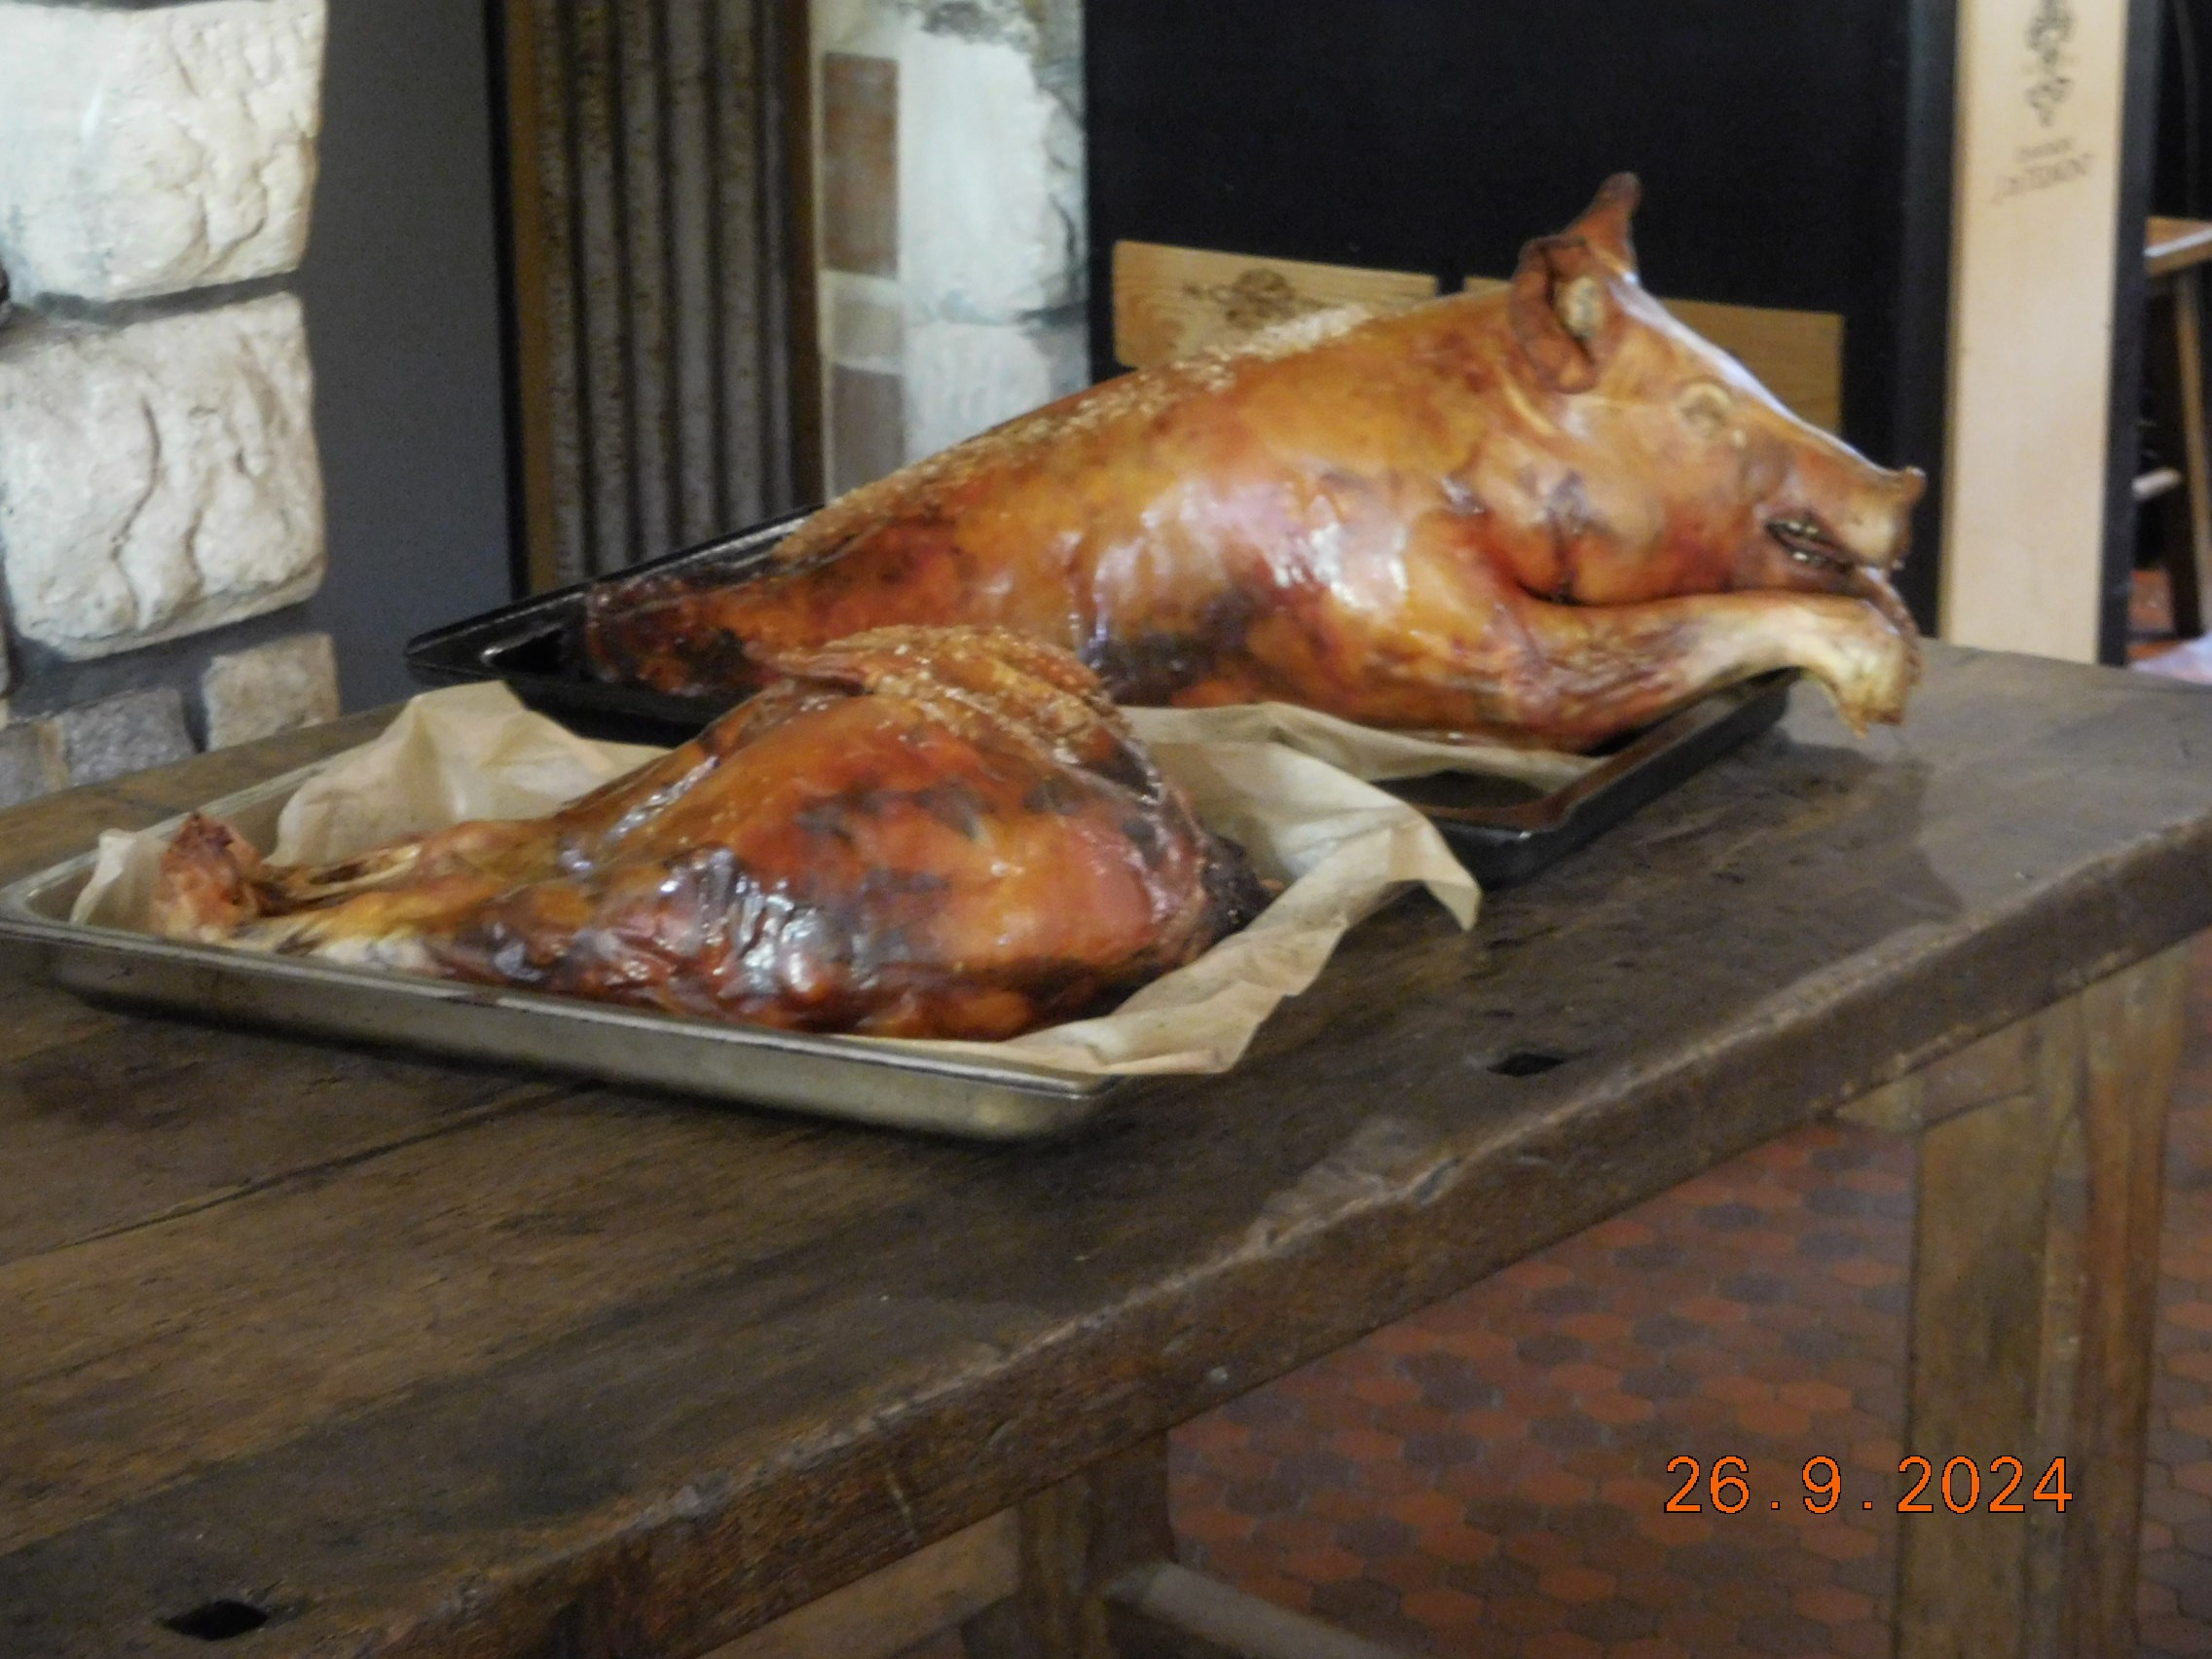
419, 1360
1170, 302
662, 298
2175, 253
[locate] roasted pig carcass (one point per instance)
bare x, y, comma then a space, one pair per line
1551, 513
916, 832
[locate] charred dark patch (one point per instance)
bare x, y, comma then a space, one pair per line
881, 883
1054, 794
1144, 836
720, 660
954, 804
1152, 666
1128, 768
829, 818
1235, 892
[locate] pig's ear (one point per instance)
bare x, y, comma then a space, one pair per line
1565, 310
1604, 225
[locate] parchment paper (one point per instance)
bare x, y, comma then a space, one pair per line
1279, 780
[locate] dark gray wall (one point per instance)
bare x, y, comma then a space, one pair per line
402, 293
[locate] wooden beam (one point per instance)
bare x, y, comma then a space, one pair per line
2034, 1300
900, 1606
1166, 1612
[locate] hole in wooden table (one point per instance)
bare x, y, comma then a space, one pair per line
1526, 1062
218, 1620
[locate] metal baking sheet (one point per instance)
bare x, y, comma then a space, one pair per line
831, 1077
1504, 832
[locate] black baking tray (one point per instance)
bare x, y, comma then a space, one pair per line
537, 645
1504, 831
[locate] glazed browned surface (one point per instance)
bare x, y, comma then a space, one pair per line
940, 832
1551, 512
444, 1362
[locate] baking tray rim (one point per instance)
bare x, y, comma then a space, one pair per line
94, 960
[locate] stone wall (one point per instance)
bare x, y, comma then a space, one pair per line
160, 495
949, 148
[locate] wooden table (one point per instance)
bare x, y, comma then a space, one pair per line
431, 1361
2175, 253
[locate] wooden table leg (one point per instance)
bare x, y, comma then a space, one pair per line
2035, 1275
2195, 494
1098, 1580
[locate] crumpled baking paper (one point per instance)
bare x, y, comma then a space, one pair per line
1279, 781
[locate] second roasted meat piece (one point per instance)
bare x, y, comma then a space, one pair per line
922, 833
1551, 513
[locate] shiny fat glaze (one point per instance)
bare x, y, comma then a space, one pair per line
1547, 513
916, 832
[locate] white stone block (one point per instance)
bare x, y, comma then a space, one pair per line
150, 149
158, 477
261, 691
990, 193
964, 377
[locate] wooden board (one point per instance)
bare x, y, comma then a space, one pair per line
1795, 355
1170, 302
602, 1375
2036, 192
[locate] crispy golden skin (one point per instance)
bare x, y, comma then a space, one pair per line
1551, 513
915, 832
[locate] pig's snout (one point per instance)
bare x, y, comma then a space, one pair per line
1849, 524
1842, 525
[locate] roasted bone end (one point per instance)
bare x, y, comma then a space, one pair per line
208, 883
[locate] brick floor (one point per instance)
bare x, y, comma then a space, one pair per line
1488, 1479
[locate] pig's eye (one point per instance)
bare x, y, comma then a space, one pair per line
1705, 407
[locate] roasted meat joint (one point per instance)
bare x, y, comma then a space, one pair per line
1551, 513
936, 833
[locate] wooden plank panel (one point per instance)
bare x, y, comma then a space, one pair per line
2133, 1026
695, 439
123, 1363
1170, 302
535, 126
601, 235
654, 329
751, 316
1795, 355
2035, 1286
1993, 1240
643, 269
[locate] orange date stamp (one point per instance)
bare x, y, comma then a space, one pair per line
1960, 1487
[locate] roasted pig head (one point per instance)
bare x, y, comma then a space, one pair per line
916, 832
1549, 513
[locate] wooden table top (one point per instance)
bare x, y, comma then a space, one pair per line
2169, 245
437, 1361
